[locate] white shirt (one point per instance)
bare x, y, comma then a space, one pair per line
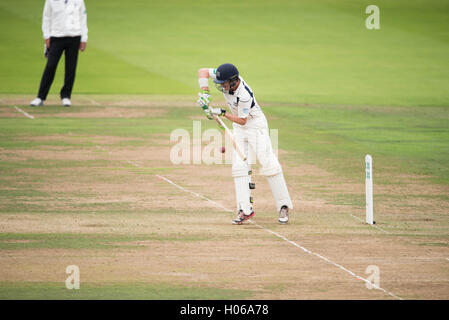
243, 104
64, 18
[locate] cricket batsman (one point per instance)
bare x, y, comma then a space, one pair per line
250, 130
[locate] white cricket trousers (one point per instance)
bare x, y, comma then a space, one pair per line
256, 144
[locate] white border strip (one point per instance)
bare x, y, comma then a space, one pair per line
285, 239
24, 113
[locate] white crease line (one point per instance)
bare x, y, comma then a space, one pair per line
285, 239
167, 180
134, 164
128, 161
93, 101
371, 225
23, 112
195, 194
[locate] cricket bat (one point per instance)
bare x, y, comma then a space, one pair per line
230, 135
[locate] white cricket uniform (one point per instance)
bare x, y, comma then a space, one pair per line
254, 139
65, 18
243, 104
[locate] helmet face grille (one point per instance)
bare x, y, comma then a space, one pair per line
220, 87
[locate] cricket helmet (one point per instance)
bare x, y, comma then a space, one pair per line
225, 72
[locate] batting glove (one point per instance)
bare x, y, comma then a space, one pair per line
204, 99
208, 114
218, 111
204, 102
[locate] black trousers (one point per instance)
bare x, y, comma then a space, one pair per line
70, 46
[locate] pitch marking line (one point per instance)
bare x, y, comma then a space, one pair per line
195, 194
284, 238
128, 161
92, 101
24, 113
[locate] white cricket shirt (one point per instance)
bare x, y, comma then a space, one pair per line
243, 104
64, 18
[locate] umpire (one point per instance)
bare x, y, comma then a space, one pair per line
64, 25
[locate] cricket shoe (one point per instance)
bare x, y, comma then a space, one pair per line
37, 102
283, 215
66, 102
241, 217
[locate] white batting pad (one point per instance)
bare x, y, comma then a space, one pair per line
280, 191
242, 194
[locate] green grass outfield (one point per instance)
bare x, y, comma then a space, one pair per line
114, 291
334, 90
289, 51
